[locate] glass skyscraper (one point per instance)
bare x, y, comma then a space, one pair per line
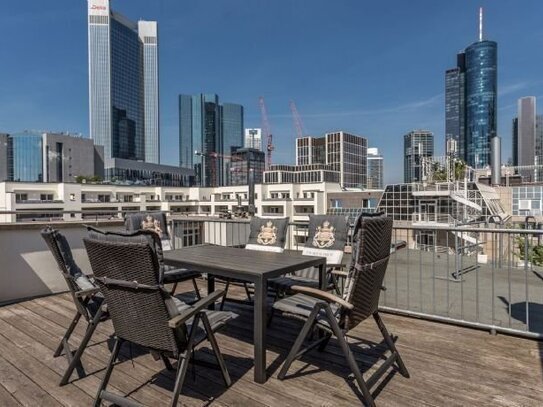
208, 134
471, 102
25, 157
123, 84
417, 145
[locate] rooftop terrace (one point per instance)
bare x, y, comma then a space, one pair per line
449, 365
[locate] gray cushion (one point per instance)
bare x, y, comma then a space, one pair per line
301, 305
284, 283
327, 232
178, 275
268, 232
72, 268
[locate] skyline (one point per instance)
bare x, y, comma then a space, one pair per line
381, 92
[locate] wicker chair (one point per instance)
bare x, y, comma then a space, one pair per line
85, 294
327, 235
335, 316
143, 313
156, 221
265, 234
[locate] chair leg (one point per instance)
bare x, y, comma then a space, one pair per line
105, 380
174, 287
227, 285
350, 358
76, 359
247, 292
390, 344
67, 335
183, 364
323, 345
167, 363
299, 342
216, 350
196, 289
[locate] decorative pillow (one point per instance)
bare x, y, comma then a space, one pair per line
268, 234
153, 221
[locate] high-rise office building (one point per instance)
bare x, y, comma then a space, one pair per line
208, 135
343, 152
418, 144
123, 84
528, 139
253, 139
375, 169
244, 161
471, 101
48, 157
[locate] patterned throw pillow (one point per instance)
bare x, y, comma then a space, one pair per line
153, 221
327, 235
268, 234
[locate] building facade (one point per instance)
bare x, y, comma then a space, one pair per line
301, 174
527, 139
471, 102
342, 152
243, 162
208, 135
418, 144
375, 169
123, 171
253, 139
123, 84
49, 157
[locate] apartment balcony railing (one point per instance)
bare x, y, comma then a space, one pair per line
493, 281
38, 201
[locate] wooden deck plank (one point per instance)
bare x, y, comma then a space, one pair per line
449, 365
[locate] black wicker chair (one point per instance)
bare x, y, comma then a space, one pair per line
335, 316
266, 234
85, 294
156, 221
327, 235
144, 313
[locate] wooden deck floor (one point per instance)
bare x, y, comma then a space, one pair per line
448, 365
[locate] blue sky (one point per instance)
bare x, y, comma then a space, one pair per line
372, 68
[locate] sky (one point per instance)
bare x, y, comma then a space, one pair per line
372, 68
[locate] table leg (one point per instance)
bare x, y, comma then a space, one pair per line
322, 277
210, 288
259, 335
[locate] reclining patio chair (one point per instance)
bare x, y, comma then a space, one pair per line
335, 316
267, 235
156, 222
85, 294
143, 312
327, 235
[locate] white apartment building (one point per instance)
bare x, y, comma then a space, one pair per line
20, 201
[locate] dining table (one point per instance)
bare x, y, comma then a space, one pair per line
253, 266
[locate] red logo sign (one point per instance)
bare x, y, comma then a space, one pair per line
95, 7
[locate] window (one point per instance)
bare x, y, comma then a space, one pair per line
128, 198
21, 197
46, 197
274, 195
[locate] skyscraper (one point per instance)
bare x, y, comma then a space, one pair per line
343, 152
208, 134
471, 101
375, 169
253, 139
528, 139
418, 144
123, 84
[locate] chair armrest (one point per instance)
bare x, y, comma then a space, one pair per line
335, 266
322, 295
340, 273
88, 291
195, 308
398, 245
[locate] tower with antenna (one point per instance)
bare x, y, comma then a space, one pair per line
471, 90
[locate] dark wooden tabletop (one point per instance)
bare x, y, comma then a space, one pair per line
252, 263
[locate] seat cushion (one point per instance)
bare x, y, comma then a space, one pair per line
173, 275
284, 283
300, 306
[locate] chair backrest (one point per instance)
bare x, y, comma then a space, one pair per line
268, 234
371, 251
74, 277
139, 313
154, 221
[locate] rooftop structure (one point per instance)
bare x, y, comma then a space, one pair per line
418, 145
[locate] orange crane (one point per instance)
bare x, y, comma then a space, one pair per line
298, 125
267, 132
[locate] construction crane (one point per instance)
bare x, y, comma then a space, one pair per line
298, 125
267, 132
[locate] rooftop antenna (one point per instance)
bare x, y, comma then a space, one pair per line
480, 23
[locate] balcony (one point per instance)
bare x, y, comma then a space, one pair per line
440, 300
